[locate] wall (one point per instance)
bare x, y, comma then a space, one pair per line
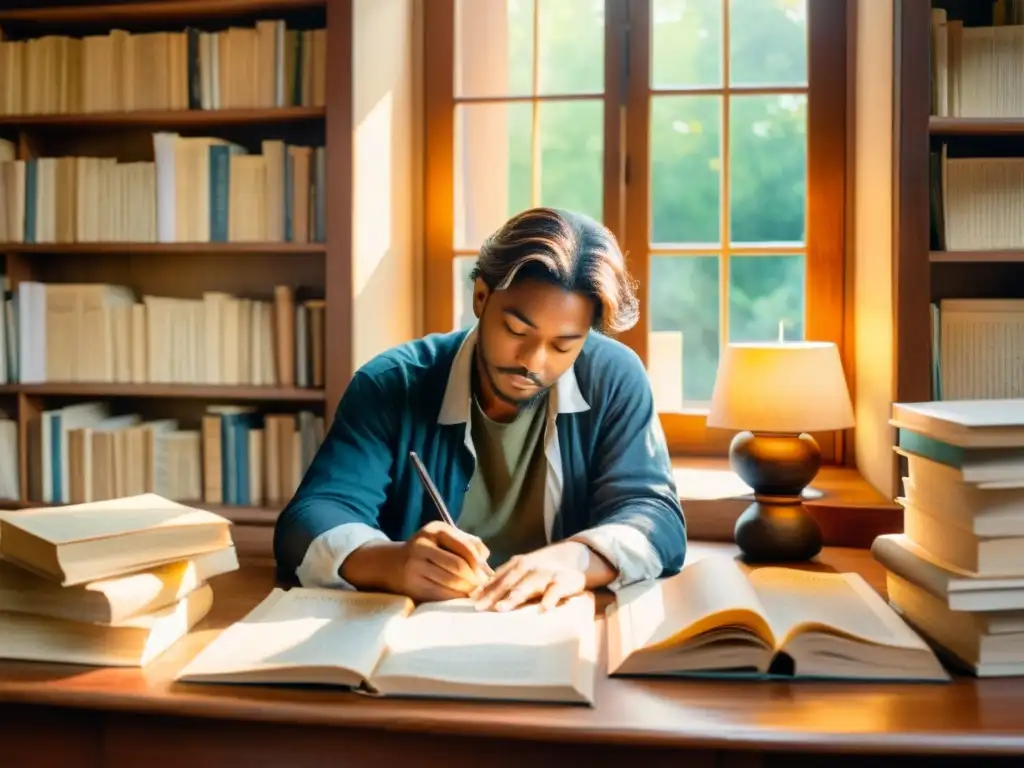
873, 304
386, 237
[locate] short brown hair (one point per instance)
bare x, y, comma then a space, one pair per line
567, 249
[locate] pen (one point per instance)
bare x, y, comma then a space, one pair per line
431, 489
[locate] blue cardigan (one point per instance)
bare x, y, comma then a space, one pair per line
615, 464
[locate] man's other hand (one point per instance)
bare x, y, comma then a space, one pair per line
553, 574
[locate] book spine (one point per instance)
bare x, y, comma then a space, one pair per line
220, 192
228, 459
195, 80
241, 449
31, 194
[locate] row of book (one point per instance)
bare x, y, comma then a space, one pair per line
977, 349
115, 583
978, 71
260, 67
102, 333
88, 452
197, 190
956, 573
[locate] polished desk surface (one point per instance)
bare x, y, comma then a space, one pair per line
966, 716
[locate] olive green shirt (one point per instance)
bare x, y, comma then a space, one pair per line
504, 504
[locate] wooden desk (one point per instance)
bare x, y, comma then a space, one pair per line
77, 717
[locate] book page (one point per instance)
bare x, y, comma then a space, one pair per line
841, 603
301, 628
708, 594
454, 642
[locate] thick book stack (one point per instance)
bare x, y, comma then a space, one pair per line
956, 573
116, 583
103, 333
87, 452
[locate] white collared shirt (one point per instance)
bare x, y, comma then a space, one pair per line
626, 548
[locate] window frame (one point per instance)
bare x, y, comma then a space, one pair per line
627, 107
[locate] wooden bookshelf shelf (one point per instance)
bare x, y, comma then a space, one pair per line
168, 119
976, 126
978, 257
161, 10
200, 249
187, 391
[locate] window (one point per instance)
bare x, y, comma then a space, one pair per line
709, 135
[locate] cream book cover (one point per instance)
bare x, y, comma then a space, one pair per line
79, 543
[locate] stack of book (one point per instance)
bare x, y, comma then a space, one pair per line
956, 573
113, 583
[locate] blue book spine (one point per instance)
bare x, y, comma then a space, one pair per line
229, 469
31, 187
220, 192
242, 460
56, 476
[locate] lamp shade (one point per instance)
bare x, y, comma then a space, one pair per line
781, 387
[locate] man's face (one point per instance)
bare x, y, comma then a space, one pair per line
529, 335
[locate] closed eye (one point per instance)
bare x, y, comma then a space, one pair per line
514, 333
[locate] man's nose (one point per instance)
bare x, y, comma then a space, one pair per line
532, 357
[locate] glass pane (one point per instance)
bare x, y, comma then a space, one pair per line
686, 150
766, 298
462, 292
492, 167
493, 47
768, 169
686, 43
571, 46
572, 155
685, 333
768, 42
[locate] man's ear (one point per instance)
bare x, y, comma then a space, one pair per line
480, 295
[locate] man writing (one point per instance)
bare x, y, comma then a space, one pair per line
539, 431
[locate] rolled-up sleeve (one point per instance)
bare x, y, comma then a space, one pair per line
637, 519
335, 509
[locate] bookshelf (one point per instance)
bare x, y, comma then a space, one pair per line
926, 272
303, 100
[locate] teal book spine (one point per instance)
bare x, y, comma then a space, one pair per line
241, 429
56, 476
220, 192
936, 450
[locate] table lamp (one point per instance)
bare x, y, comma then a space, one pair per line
776, 393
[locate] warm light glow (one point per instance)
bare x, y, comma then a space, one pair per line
787, 387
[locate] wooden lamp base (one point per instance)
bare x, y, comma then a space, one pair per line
776, 527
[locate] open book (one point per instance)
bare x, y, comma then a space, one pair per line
717, 618
385, 645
